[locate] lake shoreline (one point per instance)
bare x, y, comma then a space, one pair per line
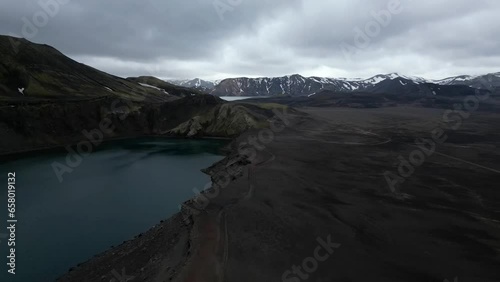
178, 229
168, 249
108, 180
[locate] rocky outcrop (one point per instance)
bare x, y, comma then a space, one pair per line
224, 120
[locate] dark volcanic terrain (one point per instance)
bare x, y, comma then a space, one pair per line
323, 177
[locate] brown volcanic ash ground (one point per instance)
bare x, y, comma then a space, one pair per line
323, 176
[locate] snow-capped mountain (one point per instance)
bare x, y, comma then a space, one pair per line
200, 84
294, 85
405, 87
491, 80
297, 85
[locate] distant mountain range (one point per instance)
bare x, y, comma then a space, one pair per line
297, 85
37, 71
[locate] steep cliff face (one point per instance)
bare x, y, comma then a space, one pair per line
38, 125
28, 126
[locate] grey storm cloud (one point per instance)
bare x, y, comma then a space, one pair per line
227, 38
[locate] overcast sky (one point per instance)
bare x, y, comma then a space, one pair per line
215, 39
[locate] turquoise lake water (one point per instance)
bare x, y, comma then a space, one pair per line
117, 192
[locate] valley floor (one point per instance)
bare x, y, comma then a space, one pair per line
315, 204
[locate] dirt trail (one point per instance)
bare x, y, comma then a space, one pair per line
210, 262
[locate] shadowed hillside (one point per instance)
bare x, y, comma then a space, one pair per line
45, 73
153, 82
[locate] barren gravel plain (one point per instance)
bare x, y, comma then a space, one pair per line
334, 194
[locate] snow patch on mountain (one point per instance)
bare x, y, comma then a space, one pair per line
297, 85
